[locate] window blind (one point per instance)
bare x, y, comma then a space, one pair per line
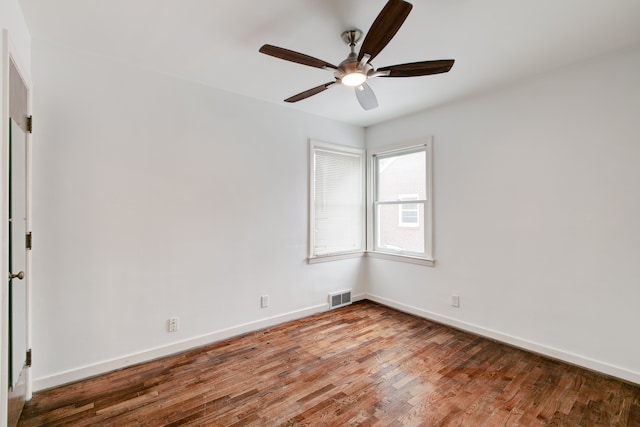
338, 221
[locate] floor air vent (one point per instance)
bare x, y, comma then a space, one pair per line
339, 299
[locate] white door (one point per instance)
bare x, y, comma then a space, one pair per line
17, 262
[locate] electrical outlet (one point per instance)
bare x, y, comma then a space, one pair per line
455, 301
264, 301
174, 323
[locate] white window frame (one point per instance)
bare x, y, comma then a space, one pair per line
426, 258
340, 149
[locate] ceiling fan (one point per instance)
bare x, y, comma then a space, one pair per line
356, 69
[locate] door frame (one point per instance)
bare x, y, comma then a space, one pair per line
9, 54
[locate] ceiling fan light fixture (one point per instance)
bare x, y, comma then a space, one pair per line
355, 78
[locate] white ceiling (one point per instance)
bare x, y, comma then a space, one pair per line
215, 42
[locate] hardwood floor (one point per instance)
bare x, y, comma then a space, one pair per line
364, 364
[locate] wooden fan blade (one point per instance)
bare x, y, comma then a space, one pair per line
300, 58
415, 69
307, 93
366, 97
386, 25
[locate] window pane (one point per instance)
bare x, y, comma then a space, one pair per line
400, 175
393, 236
409, 215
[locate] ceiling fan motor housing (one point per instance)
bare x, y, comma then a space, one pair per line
351, 65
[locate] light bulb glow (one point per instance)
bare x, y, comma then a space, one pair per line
354, 79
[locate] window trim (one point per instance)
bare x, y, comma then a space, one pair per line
340, 149
425, 144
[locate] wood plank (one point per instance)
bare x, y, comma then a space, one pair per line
364, 364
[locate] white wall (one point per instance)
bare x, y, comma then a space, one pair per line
537, 207
156, 197
12, 19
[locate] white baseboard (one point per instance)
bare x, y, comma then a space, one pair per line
359, 297
155, 353
554, 353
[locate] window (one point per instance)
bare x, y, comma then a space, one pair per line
401, 208
337, 208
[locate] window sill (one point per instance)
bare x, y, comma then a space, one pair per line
338, 257
402, 258
380, 255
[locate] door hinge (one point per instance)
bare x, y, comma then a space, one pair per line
29, 123
29, 240
29, 360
